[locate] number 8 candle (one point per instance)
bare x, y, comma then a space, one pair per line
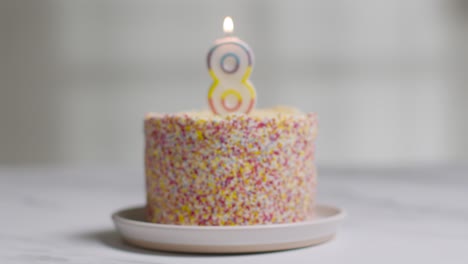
230, 62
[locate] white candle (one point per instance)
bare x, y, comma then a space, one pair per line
230, 62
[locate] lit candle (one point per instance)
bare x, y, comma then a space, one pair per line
230, 62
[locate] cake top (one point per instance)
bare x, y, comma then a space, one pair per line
278, 113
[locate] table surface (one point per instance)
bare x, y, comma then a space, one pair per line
412, 215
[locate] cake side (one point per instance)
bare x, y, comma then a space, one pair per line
239, 169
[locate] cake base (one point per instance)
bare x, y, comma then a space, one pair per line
135, 230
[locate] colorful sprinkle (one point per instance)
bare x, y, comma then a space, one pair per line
238, 169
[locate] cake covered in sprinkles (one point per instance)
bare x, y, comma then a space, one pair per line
238, 169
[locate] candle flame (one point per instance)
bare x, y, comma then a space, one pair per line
228, 25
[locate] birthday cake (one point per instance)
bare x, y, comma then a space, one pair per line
237, 169
233, 165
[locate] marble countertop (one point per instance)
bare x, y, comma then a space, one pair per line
417, 215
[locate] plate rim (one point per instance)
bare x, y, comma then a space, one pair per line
118, 218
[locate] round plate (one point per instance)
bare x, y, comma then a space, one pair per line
227, 239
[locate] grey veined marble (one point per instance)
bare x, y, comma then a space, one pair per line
412, 215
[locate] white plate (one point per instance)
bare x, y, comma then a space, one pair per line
227, 239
